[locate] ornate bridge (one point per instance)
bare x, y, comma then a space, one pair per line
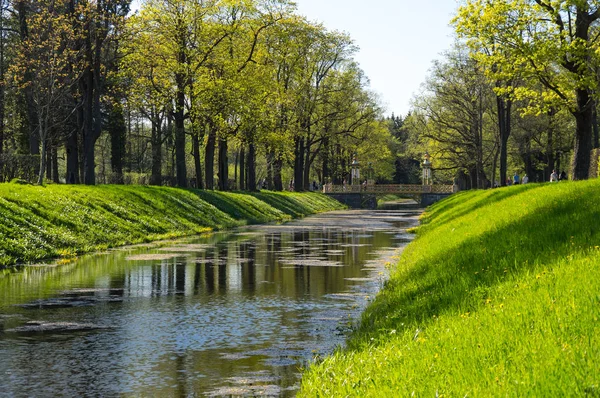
385, 189
364, 196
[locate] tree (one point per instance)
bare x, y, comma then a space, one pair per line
48, 57
187, 33
550, 41
454, 116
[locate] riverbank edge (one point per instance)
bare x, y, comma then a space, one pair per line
59, 222
497, 296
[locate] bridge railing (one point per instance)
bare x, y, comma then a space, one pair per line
410, 189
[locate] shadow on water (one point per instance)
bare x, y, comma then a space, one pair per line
402, 204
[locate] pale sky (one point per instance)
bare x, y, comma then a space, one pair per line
398, 40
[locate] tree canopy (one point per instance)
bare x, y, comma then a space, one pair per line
227, 94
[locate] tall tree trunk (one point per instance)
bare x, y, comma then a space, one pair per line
337, 165
495, 166
475, 129
235, 169
31, 114
81, 160
2, 73
87, 89
197, 160
307, 162
156, 148
583, 136
270, 165
72, 150
251, 167
209, 159
55, 177
504, 127
298, 164
180, 132
325, 163
49, 161
117, 131
242, 169
223, 172
89, 161
595, 125
94, 87
473, 178
2, 96
550, 154
277, 167
2, 126
169, 146
42, 163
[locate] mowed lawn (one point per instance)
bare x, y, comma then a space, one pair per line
40, 222
499, 295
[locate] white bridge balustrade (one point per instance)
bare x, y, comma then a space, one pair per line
382, 189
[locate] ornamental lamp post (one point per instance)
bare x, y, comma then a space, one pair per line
355, 171
370, 174
426, 169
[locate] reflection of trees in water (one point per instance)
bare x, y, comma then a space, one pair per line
156, 279
180, 277
221, 264
209, 272
247, 252
202, 371
198, 279
226, 266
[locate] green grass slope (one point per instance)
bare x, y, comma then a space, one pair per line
499, 295
58, 220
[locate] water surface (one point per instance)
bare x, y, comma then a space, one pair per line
232, 313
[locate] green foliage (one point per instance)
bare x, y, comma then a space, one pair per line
53, 221
543, 53
497, 296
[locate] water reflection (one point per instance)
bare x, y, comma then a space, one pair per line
228, 314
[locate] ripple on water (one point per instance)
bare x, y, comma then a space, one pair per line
185, 248
243, 328
310, 262
152, 256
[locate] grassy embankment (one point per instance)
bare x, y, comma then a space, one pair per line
60, 221
499, 295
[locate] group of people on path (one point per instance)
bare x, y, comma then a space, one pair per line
554, 177
516, 179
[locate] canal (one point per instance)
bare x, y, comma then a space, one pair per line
230, 313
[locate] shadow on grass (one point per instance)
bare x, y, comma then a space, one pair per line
238, 208
458, 279
287, 204
462, 204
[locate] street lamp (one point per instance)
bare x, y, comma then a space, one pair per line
426, 169
355, 171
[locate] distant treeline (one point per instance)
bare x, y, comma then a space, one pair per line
212, 94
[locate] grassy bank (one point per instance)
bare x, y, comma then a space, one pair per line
499, 295
58, 220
